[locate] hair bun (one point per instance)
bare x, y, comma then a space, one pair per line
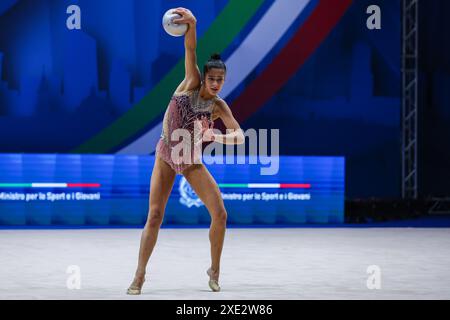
216, 56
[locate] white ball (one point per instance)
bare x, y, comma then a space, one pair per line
174, 29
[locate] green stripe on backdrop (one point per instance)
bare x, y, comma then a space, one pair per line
15, 185
233, 185
219, 36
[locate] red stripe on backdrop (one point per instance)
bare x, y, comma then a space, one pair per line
295, 186
83, 185
303, 44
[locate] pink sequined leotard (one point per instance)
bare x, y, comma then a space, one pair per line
185, 111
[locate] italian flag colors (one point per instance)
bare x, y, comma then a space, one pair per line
130, 134
50, 185
265, 185
98, 185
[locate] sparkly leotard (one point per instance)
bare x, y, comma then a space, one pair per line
185, 111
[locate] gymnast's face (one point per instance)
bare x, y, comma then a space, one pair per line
214, 80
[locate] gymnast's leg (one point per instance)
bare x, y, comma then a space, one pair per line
162, 180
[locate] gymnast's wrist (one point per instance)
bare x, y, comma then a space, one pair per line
192, 23
217, 138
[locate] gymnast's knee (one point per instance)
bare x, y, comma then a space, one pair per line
220, 216
156, 218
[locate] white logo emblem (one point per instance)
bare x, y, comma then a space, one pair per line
188, 196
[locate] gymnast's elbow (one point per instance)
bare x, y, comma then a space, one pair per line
240, 139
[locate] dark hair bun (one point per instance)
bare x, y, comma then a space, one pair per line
215, 56
215, 62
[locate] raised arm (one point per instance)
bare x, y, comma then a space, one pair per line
192, 78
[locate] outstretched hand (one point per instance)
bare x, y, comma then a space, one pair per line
187, 17
203, 131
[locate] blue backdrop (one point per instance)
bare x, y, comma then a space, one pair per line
108, 190
60, 88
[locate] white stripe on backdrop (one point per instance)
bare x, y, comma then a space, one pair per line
256, 46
